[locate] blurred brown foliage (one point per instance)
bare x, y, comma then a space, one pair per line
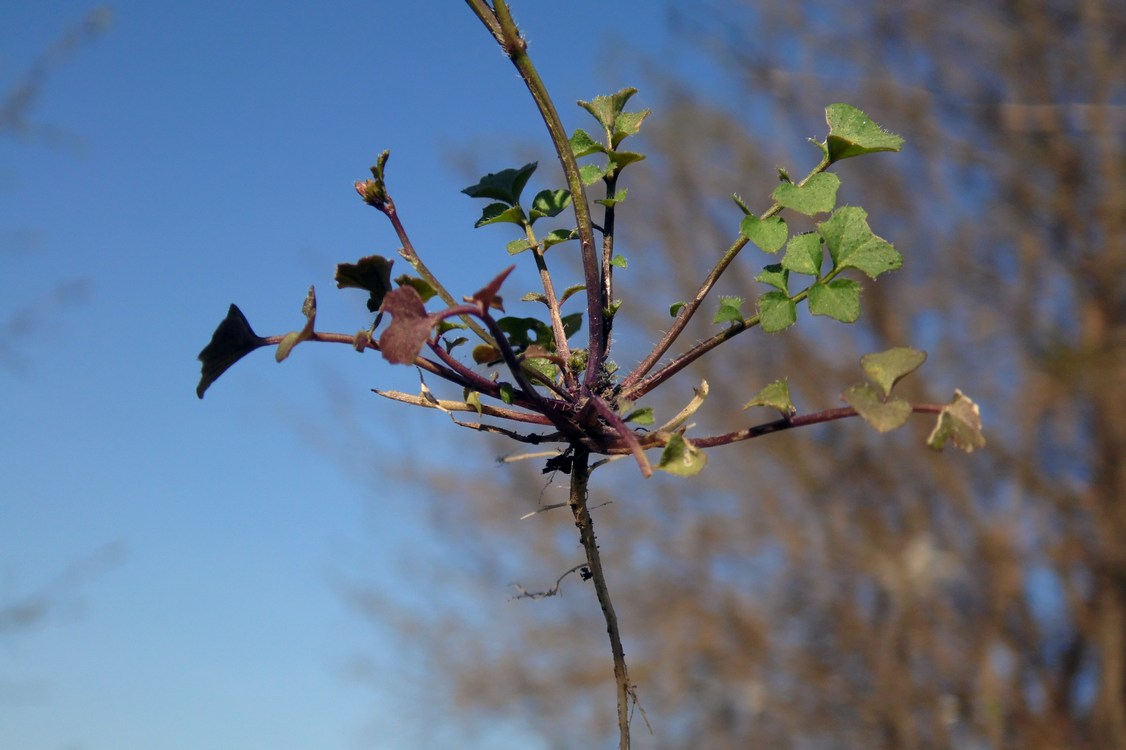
832, 587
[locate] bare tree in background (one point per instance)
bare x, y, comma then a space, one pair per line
18, 98
829, 588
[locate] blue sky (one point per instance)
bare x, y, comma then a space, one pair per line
205, 155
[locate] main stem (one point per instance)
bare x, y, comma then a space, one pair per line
502, 26
580, 475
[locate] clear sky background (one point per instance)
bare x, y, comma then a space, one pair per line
190, 554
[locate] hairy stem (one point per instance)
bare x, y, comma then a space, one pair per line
580, 475
501, 25
607, 256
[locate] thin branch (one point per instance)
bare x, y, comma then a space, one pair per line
689, 310
686, 314
780, 425
522, 593
562, 348
452, 406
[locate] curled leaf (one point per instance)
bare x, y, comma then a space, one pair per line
690, 408
232, 340
681, 458
852, 133
729, 311
886, 368
960, 423
777, 396
293, 338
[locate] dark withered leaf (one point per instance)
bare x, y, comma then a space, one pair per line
232, 340
372, 274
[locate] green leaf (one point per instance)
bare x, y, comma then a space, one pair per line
728, 311
681, 458
542, 366
571, 325
293, 338
571, 290
839, 299
591, 173
555, 236
776, 396
776, 276
505, 185
549, 203
804, 254
422, 286
768, 234
613, 200
525, 332
676, 307
497, 213
642, 416
852, 245
817, 196
619, 261
627, 124
473, 398
518, 246
454, 343
606, 109
852, 133
886, 368
960, 423
882, 415
372, 274
233, 339
506, 393
619, 159
776, 311
583, 145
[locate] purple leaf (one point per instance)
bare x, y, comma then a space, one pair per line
410, 326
